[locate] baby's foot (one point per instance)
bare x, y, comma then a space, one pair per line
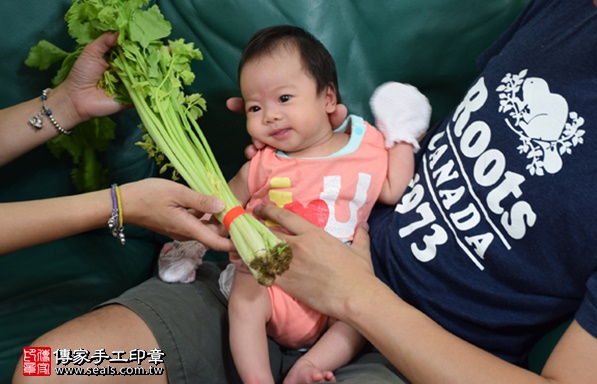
304, 372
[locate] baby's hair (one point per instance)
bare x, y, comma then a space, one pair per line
316, 59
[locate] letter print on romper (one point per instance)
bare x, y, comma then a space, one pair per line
541, 119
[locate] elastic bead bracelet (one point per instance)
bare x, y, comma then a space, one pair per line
116, 221
37, 122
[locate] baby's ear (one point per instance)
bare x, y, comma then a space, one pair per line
331, 99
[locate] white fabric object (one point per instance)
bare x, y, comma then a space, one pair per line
179, 261
226, 279
402, 113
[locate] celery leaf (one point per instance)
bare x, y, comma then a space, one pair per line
149, 25
44, 54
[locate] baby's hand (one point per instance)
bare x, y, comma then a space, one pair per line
401, 112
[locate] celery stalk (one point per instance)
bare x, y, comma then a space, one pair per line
152, 76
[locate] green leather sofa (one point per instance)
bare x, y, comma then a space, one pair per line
431, 44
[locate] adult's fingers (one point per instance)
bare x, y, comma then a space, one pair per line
252, 149
209, 235
361, 246
361, 241
102, 44
236, 104
92, 62
200, 202
338, 116
289, 220
87, 99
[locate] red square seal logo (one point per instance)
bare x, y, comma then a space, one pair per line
37, 361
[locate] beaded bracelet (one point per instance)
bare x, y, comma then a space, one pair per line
37, 122
116, 221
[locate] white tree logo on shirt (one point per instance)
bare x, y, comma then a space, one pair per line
541, 119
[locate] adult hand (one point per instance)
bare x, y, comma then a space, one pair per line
174, 210
324, 272
339, 115
236, 104
81, 86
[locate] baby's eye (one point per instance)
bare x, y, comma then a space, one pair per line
284, 98
253, 109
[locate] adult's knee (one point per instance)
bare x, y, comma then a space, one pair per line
111, 328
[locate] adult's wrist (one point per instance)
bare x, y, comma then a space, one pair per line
62, 108
360, 305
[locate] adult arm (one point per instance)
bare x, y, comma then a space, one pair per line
339, 281
160, 205
76, 100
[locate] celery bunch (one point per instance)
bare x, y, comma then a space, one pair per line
152, 76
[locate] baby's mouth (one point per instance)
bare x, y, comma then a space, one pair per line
280, 133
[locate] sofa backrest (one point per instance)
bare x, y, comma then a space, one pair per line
431, 44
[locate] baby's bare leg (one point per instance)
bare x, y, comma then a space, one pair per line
332, 351
249, 310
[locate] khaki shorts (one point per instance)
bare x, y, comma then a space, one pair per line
190, 323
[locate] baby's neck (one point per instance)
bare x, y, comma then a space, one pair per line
335, 142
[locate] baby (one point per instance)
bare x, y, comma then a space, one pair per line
331, 177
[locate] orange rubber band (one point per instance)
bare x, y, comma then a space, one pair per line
231, 215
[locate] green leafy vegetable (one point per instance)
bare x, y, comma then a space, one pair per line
44, 54
152, 76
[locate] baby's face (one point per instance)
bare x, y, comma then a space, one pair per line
282, 105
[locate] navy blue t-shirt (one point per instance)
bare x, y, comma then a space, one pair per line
496, 238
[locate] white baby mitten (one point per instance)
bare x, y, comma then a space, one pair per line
179, 261
401, 113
